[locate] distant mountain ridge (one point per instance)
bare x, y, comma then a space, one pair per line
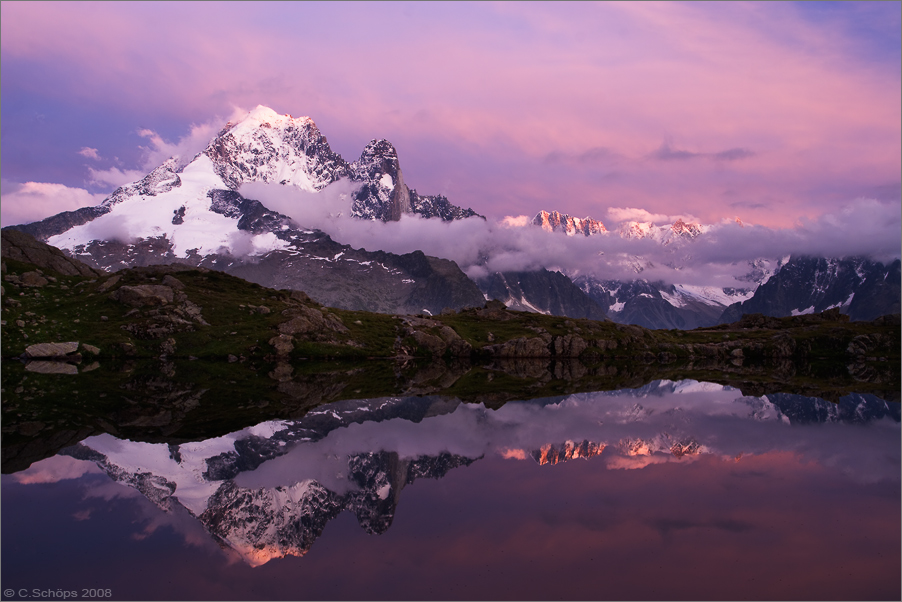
554, 221
541, 291
861, 288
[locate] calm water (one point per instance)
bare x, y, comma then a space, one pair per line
674, 491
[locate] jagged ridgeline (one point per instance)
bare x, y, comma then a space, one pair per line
189, 211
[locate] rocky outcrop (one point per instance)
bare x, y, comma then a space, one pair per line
569, 345
59, 223
430, 206
521, 347
431, 336
51, 350
22, 246
307, 320
144, 295
383, 194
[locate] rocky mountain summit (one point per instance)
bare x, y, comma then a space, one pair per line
561, 222
191, 212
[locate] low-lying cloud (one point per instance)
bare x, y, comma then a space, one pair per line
865, 227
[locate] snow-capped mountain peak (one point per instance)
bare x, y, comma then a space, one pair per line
689, 230
268, 147
263, 146
679, 231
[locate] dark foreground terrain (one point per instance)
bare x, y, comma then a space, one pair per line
170, 353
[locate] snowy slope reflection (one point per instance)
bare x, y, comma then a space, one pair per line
268, 491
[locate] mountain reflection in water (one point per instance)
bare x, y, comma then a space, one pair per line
269, 491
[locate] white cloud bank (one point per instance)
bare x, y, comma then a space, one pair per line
32, 201
864, 227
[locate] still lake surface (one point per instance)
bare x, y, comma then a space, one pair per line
676, 490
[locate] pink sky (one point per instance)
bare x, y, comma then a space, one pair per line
772, 112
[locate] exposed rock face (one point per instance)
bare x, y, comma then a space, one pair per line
686, 230
267, 147
555, 454
383, 196
339, 276
45, 350
438, 206
306, 320
32, 279
22, 246
59, 223
569, 345
162, 179
434, 336
561, 222
521, 347
144, 295
283, 344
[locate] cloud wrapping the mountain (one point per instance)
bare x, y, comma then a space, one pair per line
189, 145
157, 151
114, 177
479, 247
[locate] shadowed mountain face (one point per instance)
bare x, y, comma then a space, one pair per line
860, 288
657, 305
541, 291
